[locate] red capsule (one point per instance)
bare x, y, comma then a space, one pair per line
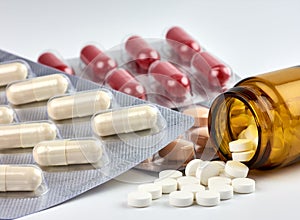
121, 80
49, 59
211, 68
172, 79
99, 62
141, 52
182, 43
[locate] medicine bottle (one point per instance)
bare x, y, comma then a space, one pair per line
270, 103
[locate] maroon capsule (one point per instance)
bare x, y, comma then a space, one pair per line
49, 59
121, 80
216, 72
99, 62
172, 79
182, 43
143, 54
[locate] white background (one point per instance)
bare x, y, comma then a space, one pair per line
252, 36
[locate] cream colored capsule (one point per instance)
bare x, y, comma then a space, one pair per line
36, 89
78, 105
19, 178
136, 118
26, 135
10, 72
6, 115
66, 152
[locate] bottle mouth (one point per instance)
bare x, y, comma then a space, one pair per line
238, 114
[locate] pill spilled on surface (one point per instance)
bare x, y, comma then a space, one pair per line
223, 180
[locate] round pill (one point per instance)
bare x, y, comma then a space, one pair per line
199, 136
191, 167
193, 188
208, 198
181, 198
251, 132
219, 163
174, 174
154, 189
241, 145
236, 169
10, 72
139, 199
243, 185
185, 180
225, 191
200, 115
207, 170
243, 156
6, 115
168, 185
218, 180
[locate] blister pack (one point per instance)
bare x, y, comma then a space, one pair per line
176, 72
61, 135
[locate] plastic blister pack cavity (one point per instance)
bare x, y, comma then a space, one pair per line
7, 115
81, 159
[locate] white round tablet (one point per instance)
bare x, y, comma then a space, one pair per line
169, 174
185, 180
243, 156
207, 170
181, 198
243, 185
241, 145
208, 198
154, 189
236, 169
193, 188
139, 199
218, 180
168, 185
226, 191
191, 167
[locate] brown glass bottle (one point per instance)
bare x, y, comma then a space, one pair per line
271, 103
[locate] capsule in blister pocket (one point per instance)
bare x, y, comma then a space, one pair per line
25, 135
126, 120
12, 71
79, 104
6, 115
37, 89
67, 152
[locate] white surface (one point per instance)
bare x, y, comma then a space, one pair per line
252, 36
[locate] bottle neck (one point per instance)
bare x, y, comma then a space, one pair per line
220, 124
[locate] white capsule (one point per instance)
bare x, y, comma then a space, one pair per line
243, 185
154, 189
10, 72
181, 198
6, 115
78, 105
174, 174
26, 135
243, 156
139, 199
37, 89
136, 118
19, 178
66, 152
207, 170
241, 145
236, 169
191, 167
168, 185
208, 198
